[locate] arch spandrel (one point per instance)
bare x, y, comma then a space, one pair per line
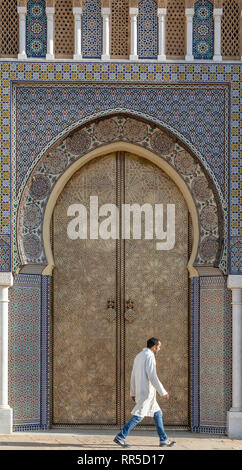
109, 134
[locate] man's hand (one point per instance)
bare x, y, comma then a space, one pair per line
166, 397
133, 398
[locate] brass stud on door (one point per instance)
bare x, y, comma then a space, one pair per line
130, 314
110, 311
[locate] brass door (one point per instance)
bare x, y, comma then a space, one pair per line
93, 348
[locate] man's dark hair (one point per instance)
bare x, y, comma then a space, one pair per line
152, 342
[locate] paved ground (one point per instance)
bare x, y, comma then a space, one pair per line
103, 440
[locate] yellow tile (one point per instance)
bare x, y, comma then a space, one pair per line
212, 77
151, 76
204, 68
5, 221
174, 68
28, 75
66, 68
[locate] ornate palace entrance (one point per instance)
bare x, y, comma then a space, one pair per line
146, 291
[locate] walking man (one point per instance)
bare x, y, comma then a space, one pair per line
143, 386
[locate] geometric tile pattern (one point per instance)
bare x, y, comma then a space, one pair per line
58, 108
211, 354
161, 75
236, 255
147, 29
5, 253
91, 29
215, 351
203, 34
36, 29
179, 108
28, 351
94, 135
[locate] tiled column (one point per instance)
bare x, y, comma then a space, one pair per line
234, 415
189, 12
161, 12
22, 11
133, 13
217, 14
106, 33
77, 12
50, 11
6, 413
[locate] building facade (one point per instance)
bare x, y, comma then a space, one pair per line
120, 102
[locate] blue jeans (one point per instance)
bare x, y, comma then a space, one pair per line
136, 419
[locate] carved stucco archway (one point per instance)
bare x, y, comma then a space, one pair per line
119, 132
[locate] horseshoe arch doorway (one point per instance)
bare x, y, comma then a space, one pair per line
93, 347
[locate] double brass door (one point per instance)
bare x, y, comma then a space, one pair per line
146, 290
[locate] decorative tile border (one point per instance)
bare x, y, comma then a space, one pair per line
124, 73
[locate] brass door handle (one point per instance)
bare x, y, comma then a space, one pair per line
110, 311
130, 314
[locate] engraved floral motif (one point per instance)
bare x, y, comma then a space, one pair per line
185, 163
208, 248
78, 143
32, 216
209, 218
200, 189
32, 246
40, 187
55, 162
161, 142
106, 130
135, 130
